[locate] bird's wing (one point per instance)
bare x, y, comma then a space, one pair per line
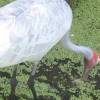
36, 30
8, 14
14, 8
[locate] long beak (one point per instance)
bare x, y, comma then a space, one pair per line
85, 74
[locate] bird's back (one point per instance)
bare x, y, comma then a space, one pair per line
33, 29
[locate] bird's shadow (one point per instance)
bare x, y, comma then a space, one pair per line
54, 75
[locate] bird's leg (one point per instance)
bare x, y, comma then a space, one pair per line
13, 83
30, 81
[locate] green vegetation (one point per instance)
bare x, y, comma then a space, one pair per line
60, 67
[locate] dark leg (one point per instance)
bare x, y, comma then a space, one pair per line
31, 82
13, 84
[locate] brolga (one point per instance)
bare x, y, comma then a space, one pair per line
30, 28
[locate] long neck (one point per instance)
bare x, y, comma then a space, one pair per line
87, 52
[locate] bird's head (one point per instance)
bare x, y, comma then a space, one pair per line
90, 64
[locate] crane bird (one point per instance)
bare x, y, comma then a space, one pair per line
30, 28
